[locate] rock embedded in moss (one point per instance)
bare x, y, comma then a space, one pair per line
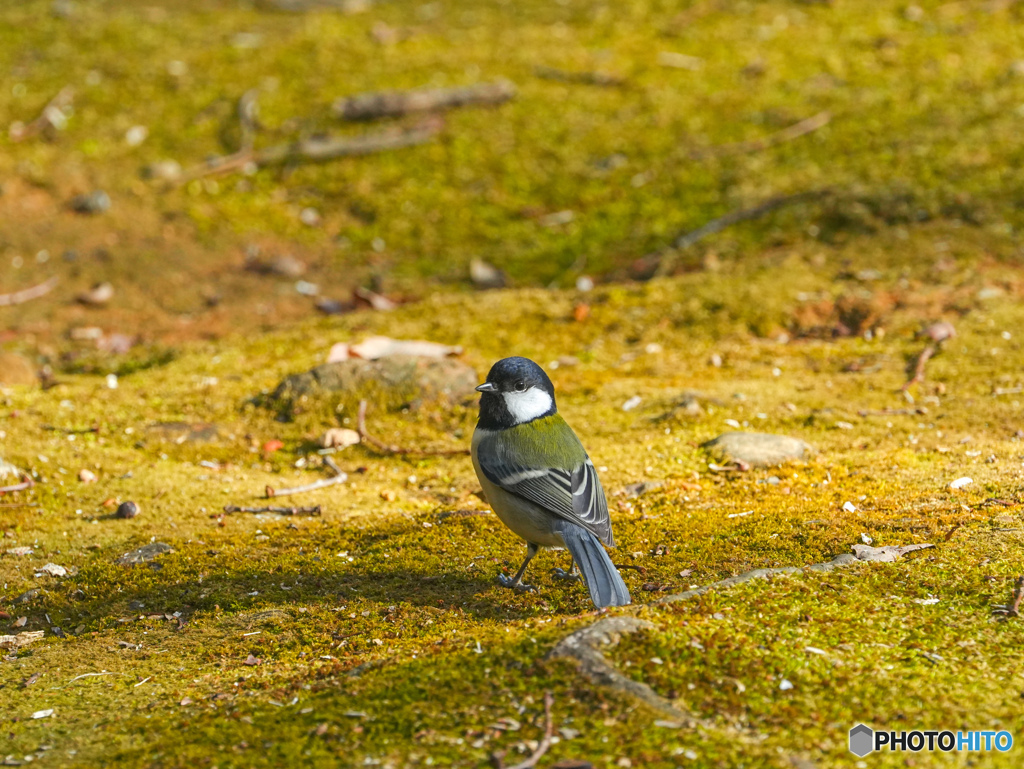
144, 554
393, 381
758, 449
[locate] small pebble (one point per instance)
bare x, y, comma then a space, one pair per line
785, 685
99, 294
86, 476
632, 403
93, 203
127, 510
849, 507
135, 135
959, 483
309, 217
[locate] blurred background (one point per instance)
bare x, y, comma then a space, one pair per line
174, 171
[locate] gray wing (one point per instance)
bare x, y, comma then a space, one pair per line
575, 495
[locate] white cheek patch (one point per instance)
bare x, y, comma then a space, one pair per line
528, 405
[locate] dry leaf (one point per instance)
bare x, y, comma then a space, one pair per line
375, 347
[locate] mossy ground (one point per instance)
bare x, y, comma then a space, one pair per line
381, 634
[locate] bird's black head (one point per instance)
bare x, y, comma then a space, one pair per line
516, 391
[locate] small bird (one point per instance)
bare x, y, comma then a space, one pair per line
539, 480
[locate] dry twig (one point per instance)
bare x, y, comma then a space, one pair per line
498, 758
390, 448
339, 476
27, 294
584, 78
922, 361
26, 483
687, 239
315, 510
315, 149
52, 116
787, 134
1013, 609
369, 106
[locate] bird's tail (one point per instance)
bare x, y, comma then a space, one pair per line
603, 580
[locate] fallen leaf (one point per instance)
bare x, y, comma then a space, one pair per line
339, 438
43, 713
375, 347
20, 622
338, 353
54, 570
251, 661
273, 445
375, 300
186, 701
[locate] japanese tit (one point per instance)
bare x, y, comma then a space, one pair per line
538, 478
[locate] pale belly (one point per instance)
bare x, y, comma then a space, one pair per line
526, 519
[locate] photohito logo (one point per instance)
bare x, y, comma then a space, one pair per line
864, 740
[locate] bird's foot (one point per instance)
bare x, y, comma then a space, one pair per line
511, 583
572, 575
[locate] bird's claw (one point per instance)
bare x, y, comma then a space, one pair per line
510, 582
571, 575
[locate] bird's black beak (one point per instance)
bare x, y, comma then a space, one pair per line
487, 387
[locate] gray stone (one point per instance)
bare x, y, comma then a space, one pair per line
28, 595
94, 203
183, 432
144, 554
758, 449
886, 554
392, 381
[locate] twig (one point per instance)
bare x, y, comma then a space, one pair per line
890, 412
1013, 609
922, 360
1008, 390
315, 510
369, 106
340, 476
788, 134
27, 483
585, 78
271, 492
390, 448
498, 757
688, 239
952, 531
52, 116
72, 430
317, 149
89, 675
28, 294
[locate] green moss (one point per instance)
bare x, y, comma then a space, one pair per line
386, 604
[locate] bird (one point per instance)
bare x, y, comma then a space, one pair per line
539, 480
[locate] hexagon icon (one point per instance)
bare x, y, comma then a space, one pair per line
862, 740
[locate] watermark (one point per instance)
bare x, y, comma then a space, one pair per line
864, 740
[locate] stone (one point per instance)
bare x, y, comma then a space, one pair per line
93, 203
144, 554
394, 381
16, 370
758, 449
183, 432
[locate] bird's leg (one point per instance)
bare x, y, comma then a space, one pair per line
573, 573
516, 582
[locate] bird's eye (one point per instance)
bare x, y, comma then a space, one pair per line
520, 387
